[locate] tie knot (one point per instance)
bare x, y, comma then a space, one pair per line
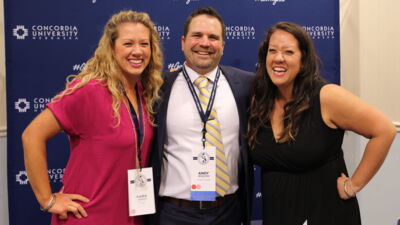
201, 82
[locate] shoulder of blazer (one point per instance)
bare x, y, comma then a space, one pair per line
231, 71
242, 77
169, 78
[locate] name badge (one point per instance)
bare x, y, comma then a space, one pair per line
141, 192
203, 174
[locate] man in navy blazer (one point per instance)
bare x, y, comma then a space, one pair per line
180, 130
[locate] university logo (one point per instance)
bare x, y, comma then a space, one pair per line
46, 32
203, 158
20, 32
22, 105
22, 178
176, 65
271, 1
163, 31
321, 31
240, 32
55, 175
141, 180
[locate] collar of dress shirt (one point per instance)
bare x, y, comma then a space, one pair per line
193, 75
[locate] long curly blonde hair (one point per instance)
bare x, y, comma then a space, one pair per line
104, 68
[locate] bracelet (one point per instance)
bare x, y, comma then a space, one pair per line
345, 190
52, 201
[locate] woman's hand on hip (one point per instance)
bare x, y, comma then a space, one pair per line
67, 203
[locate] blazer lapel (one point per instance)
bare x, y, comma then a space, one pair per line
169, 80
233, 82
236, 88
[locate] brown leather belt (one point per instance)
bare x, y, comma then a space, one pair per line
198, 204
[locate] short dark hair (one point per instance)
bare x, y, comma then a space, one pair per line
209, 11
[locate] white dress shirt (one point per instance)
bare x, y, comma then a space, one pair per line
184, 128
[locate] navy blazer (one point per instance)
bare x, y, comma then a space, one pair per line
239, 82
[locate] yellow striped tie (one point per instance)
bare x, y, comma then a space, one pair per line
214, 138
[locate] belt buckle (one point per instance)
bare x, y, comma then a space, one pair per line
205, 205
201, 205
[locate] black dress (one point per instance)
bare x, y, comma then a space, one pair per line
299, 178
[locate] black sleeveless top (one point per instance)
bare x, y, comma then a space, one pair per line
299, 178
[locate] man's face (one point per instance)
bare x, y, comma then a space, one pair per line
203, 45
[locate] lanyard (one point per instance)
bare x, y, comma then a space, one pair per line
203, 115
138, 122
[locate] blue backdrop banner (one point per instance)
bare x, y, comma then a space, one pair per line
47, 40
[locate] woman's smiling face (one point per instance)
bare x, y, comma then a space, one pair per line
283, 59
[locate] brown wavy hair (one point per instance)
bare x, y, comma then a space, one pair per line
265, 92
104, 68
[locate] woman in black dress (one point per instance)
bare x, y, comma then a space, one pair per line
296, 128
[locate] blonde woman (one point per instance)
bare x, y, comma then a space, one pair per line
106, 110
